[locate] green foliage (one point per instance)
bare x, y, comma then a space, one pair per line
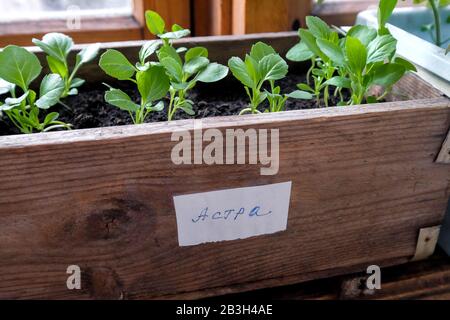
150, 79
183, 74
263, 65
57, 47
18, 69
318, 44
435, 28
365, 57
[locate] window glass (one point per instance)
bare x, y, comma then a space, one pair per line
19, 10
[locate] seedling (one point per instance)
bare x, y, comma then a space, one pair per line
364, 58
57, 47
183, 75
263, 65
322, 67
151, 81
435, 28
18, 69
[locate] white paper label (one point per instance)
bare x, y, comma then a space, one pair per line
232, 214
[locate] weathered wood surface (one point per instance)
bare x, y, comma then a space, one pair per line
364, 182
254, 16
424, 280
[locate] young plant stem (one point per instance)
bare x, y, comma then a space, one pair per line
437, 20
171, 110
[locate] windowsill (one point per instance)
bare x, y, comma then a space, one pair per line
92, 30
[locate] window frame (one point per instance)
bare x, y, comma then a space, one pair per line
122, 28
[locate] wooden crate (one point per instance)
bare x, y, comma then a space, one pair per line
364, 182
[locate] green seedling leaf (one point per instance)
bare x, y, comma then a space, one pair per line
153, 84
214, 72
52, 87
77, 82
50, 118
364, 34
300, 52
177, 27
155, 22
273, 67
148, 49
18, 66
174, 69
408, 65
196, 52
187, 107
73, 92
310, 41
14, 102
385, 9
298, 94
175, 35
88, 54
239, 70
356, 55
58, 67
168, 51
260, 50
116, 65
332, 50
195, 65
318, 27
121, 100
304, 86
339, 82
158, 107
56, 45
6, 87
388, 74
382, 48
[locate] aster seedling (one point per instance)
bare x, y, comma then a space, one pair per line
263, 66
150, 79
322, 68
18, 69
57, 47
184, 73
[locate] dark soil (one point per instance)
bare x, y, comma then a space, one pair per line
227, 97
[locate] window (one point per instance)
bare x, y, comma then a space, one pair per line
26, 10
84, 20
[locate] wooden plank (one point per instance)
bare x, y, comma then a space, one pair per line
364, 180
423, 280
365, 177
251, 16
212, 17
93, 30
173, 11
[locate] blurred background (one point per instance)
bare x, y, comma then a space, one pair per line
118, 20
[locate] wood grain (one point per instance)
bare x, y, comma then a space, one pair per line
364, 182
363, 185
173, 11
251, 16
425, 280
